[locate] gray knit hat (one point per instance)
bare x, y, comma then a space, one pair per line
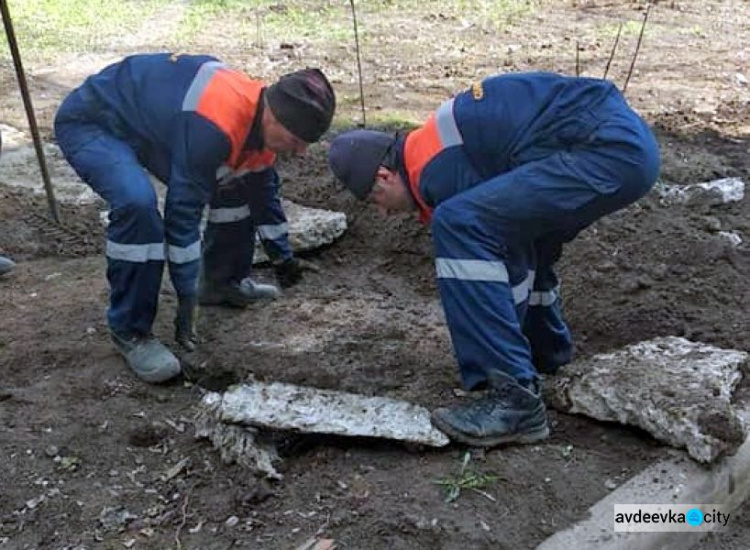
354, 158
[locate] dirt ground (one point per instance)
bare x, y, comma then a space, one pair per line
88, 453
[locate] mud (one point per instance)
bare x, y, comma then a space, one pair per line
87, 449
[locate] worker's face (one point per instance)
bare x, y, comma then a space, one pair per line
280, 140
277, 138
389, 193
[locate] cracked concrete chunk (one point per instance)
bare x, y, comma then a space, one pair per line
309, 228
244, 445
678, 391
712, 193
287, 407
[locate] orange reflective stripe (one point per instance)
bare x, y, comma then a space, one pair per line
230, 100
256, 161
420, 147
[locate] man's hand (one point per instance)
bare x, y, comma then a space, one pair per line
289, 272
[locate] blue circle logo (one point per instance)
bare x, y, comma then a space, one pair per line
694, 517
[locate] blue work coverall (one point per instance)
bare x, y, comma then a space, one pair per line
508, 171
194, 124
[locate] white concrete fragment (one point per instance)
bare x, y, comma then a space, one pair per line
719, 191
19, 168
288, 407
309, 228
678, 391
732, 237
243, 445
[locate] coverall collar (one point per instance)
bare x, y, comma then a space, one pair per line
254, 141
399, 148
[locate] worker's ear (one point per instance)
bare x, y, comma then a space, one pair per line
384, 175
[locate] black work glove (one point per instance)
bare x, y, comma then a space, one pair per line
289, 272
184, 323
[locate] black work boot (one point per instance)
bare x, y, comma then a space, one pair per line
239, 294
509, 412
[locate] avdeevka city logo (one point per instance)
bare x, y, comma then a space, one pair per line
694, 517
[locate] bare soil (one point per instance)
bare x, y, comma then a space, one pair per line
87, 451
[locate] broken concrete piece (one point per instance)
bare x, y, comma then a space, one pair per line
19, 168
287, 407
309, 228
244, 445
713, 192
678, 391
732, 237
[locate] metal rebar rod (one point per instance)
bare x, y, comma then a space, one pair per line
11, 35
637, 47
359, 65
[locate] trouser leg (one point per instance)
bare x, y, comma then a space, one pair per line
135, 235
544, 325
229, 239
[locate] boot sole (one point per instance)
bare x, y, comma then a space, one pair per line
524, 438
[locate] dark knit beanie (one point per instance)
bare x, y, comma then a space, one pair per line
303, 102
355, 156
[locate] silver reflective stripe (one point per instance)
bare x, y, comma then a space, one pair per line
446, 125
200, 81
271, 232
544, 298
521, 290
180, 255
222, 172
471, 270
228, 215
137, 253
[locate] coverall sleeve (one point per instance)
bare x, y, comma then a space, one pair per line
262, 190
199, 149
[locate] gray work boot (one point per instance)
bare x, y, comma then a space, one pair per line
236, 294
148, 358
508, 412
6, 265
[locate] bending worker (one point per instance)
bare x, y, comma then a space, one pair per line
211, 134
505, 173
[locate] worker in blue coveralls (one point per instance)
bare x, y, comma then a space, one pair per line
211, 134
506, 172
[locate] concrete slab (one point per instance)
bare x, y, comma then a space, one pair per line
677, 390
287, 407
244, 445
719, 191
678, 480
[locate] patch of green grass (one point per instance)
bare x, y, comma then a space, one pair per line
497, 14
54, 26
466, 480
385, 121
258, 20
629, 28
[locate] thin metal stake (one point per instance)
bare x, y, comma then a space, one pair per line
29, 109
637, 47
612, 54
359, 65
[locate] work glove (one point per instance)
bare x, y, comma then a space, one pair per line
184, 323
289, 272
